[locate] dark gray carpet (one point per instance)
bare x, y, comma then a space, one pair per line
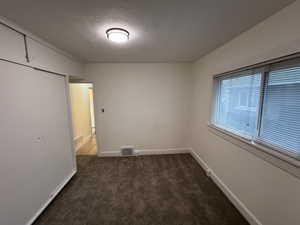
144, 190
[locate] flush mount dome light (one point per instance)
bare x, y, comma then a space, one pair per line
117, 35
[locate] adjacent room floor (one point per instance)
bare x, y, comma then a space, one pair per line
89, 148
144, 190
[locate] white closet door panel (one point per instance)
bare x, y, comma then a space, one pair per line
11, 45
48, 59
36, 154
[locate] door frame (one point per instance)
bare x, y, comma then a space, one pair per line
93, 126
71, 131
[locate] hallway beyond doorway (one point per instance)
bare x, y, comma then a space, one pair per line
83, 118
89, 148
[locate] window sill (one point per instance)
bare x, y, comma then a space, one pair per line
268, 154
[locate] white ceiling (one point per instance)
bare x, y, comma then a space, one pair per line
161, 30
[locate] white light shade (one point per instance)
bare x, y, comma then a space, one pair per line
117, 35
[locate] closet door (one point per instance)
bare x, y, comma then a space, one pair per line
36, 156
12, 45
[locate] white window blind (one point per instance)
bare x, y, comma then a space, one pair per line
280, 123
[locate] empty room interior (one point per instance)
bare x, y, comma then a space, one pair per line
128, 112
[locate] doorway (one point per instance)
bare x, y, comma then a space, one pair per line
83, 118
91, 98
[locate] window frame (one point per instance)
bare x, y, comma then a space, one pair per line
264, 69
217, 88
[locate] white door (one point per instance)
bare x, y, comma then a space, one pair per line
35, 148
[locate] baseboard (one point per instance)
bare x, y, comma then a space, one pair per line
109, 154
147, 152
249, 216
163, 151
52, 196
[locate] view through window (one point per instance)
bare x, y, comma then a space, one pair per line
263, 107
238, 104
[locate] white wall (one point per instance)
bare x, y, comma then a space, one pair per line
271, 194
146, 105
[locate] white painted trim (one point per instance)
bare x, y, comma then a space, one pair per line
249, 216
162, 151
109, 154
71, 130
52, 196
200, 161
147, 152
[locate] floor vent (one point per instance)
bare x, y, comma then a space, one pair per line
127, 151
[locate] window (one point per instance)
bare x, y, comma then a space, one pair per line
237, 104
243, 99
280, 125
263, 107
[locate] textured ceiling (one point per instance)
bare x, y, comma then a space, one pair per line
161, 30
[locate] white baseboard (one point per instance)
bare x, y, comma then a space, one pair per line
147, 152
109, 154
52, 196
249, 216
163, 151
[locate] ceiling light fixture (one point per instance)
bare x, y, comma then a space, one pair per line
117, 35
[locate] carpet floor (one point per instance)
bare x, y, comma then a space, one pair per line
144, 190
